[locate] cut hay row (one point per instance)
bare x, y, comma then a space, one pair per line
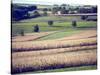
30, 37
33, 63
51, 44
51, 51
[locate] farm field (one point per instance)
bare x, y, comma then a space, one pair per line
60, 47
81, 49
31, 36
82, 68
54, 18
61, 24
42, 62
47, 37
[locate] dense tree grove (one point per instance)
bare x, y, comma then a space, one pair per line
55, 9
88, 9
84, 17
21, 12
45, 12
61, 8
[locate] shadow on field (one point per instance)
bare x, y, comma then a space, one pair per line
57, 26
87, 27
18, 70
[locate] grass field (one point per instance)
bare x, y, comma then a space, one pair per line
61, 24
60, 34
54, 18
28, 27
93, 67
57, 48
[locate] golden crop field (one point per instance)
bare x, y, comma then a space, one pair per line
51, 51
51, 44
71, 51
54, 60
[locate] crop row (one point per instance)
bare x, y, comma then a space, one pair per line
52, 51
51, 44
60, 60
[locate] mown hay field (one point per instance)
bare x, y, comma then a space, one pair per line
30, 37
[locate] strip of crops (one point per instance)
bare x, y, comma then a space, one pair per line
60, 60
51, 44
52, 51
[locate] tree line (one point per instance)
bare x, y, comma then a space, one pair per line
31, 11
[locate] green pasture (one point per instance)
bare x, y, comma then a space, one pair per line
80, 68
54, 18
60, 23
28, 27
60, 34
